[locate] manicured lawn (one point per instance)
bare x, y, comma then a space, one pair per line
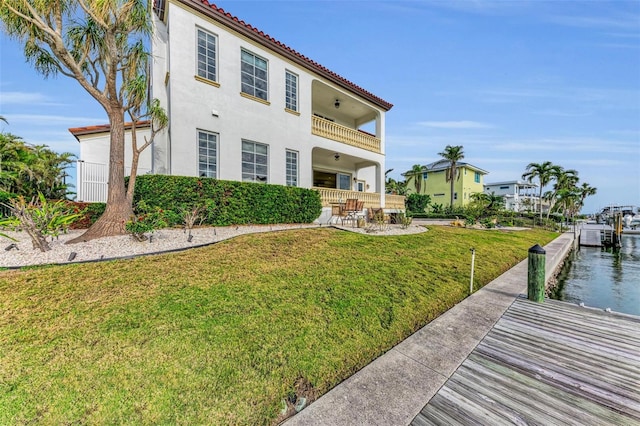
221, 335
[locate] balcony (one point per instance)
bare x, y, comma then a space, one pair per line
330, 130
371, 199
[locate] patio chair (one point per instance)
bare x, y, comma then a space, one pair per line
350, 209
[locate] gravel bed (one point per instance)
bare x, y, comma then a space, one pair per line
125, 246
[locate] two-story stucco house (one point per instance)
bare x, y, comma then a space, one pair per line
243, 106
434, 183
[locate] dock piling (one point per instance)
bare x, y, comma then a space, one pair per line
536, 274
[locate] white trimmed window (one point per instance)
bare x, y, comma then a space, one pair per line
291, 91
344, 181
255, 75
292, 168
207, 154
207, 67
255, 162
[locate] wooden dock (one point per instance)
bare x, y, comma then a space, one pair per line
546, 363
591, 238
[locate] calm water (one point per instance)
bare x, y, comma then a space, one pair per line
603, 278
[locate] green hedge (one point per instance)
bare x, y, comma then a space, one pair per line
228, 202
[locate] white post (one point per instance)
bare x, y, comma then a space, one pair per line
473, 259
79, 181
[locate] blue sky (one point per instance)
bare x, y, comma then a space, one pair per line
513, 82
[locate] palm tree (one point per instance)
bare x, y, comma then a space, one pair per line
415, 174
568, 200
566, 181
26, 169
586, 190
544, 172
453, 154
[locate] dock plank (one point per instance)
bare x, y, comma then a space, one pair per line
546, 363
590, 238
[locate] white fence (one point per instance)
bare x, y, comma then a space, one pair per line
92, 180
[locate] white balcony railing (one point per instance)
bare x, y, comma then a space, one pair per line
371, 199
330, 130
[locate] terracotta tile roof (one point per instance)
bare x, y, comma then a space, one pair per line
225, 18
102, 128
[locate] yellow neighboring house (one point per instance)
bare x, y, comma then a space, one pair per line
434, 183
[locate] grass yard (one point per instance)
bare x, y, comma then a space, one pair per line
222, 334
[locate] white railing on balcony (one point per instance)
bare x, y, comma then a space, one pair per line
92, 179
394, 201
330, 130
371, 199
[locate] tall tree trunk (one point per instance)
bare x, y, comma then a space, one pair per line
119, 209
540, 199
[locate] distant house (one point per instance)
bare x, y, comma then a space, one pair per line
434, 183
243, 106
518, 196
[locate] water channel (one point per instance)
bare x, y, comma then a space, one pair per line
603, 278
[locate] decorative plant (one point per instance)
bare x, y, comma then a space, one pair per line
39, 218
404, 220
191, 217
147, 221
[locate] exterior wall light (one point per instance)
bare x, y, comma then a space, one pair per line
336, 156
337, 103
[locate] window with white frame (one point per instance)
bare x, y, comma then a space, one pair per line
344, 181
291, 91
207, 154
255, 162
292, 168
254, 75
207, 67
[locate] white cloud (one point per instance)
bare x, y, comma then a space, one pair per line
27, 98
622, 22
464, 124
558, 113
47, 120
595, 97
575, 145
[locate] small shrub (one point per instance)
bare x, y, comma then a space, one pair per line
405, 221
191, 217
437, 208
417, 203
378, 222
148, 220
39, 218
139, 225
